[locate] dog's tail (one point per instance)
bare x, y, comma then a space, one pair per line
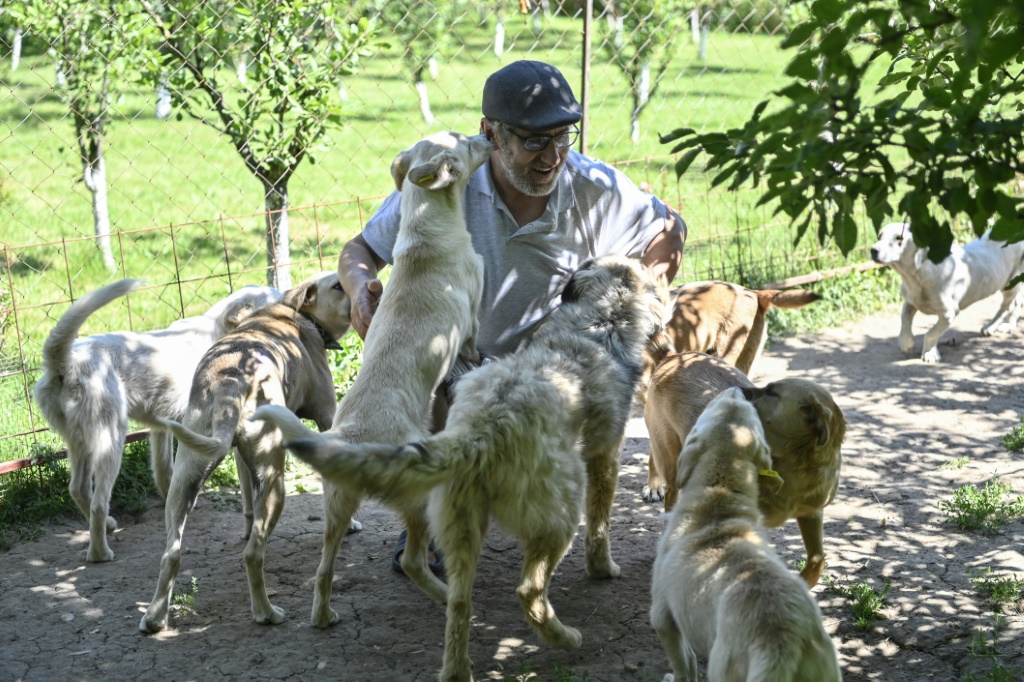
767, 298
785, 298
207, 446
57, 347
387, 472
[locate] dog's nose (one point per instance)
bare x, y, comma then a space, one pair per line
874, 254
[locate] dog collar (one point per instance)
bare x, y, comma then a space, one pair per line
329, 343
770, 473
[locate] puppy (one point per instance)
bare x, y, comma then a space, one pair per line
526, 435
969, 274
718, 590
720, 319
275, 357
804, 427
91, 387
426, 318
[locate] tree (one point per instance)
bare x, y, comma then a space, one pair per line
641, 40
297, 51
941, 133
101, 47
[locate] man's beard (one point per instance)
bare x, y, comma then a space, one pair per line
522, 180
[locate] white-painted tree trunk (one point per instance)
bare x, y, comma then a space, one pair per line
428, 115
432, 68
279, 260
241, 68
16, 49
163, 101
95, 177
499, 39
695, 25
705, 32
641, 96
60, 79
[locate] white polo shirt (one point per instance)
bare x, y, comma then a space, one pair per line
594, 211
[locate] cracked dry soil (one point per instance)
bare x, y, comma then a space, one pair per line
63, 619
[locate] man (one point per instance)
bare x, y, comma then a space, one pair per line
535, 211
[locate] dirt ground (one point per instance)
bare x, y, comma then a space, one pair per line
61, 619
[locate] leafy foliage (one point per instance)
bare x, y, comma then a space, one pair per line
985, 509
1014, 440
999, 591
941, 134
866, 601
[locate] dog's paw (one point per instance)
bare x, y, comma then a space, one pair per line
111, 524
603, 570
995, 329
324, 618
97, 555
354, 527
274, 616
150, 625
931, 355
653, 494
907, 345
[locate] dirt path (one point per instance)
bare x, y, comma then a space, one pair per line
61, 619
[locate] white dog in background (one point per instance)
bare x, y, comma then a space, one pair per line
969, 274
718, 589
91, 387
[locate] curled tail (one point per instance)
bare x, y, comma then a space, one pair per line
57, 347
387, 472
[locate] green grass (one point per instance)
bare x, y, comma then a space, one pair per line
1014, 440
866, 601
985, 509
185, 598
998, 591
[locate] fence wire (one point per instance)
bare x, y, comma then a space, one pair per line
204, 145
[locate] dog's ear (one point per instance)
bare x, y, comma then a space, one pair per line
819, 419
577, 284
301, 297
439, 172
236, 313
400, 168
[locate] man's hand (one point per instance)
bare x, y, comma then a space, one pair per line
364, 305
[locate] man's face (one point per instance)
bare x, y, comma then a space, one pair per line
532, 173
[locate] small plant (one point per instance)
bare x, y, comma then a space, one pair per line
998, 674
1014, 440
867, 602
985, 509
186, 599
999, 591
956, 463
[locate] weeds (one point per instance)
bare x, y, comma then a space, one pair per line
956, 463
186, 599
998, 591
985, 509
867, 602
1014, 440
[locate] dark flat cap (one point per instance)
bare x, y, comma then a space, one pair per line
530, 95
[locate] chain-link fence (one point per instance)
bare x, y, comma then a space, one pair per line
204, 145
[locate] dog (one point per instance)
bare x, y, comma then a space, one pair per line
804, 427
91, 387
718, 590
526, 434
277, 357
426, 319
721, 319
967, 275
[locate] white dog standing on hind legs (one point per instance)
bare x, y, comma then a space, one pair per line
92, 386
969, 274
718, 589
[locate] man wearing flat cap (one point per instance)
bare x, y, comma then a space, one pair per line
536, 211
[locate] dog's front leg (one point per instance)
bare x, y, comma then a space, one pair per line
906, 338
602, 478
930, 349
1005, 320
812, 532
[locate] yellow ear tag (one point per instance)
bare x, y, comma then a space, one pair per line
427, 178
770, 473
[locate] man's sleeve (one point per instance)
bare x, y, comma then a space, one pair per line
635, 218
381, 230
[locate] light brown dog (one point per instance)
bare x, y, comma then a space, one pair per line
721, 319
803, 425
277, 356
718, 589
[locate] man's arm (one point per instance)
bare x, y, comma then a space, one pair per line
664, 253
358, 266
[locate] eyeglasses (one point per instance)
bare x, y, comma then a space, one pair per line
538, 143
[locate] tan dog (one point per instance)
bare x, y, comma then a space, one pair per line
721, 319
275, 357
804, 426
718, 589
425, 319
91, 387
526, 436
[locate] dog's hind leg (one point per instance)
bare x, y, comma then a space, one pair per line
161, 459
602, 478
245, 488
541, 554
462, 529
812, 532
339, 508
190, 470
415, 559
680, 654
94, 469
1005, 320
268, 509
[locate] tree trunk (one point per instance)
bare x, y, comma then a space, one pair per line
421, 89
499, 39
16, 49
641, 96
279, 274
94, 173
163, 100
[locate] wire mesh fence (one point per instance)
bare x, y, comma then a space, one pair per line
205, 145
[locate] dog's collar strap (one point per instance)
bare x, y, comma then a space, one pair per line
770, 473
329, 343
